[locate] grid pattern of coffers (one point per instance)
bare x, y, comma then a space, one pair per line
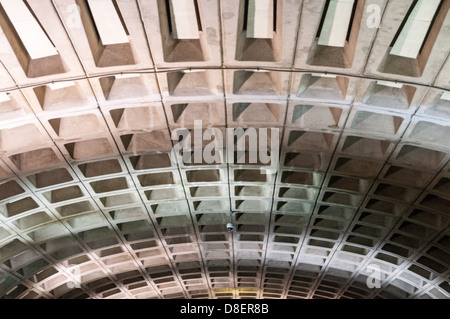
93, 204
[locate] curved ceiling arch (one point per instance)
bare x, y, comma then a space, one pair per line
348, 99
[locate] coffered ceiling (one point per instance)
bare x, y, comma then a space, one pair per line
94, 204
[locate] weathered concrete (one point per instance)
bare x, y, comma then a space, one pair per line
94, 204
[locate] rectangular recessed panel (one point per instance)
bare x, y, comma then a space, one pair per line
32, 36
108, 22
260, 19
183, 16
336, 23
414, 32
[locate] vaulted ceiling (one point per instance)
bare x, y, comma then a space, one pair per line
94, 204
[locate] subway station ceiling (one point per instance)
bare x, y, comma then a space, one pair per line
94, 204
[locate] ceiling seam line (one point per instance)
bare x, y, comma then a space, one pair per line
168, 70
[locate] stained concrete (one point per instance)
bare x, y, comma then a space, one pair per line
93, 203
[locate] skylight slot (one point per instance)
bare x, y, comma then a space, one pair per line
412, 35
336, 21
445, 96
126, 76
30, 32
260, 19
323, 75
4, 97
390, 84
61, 85
108, 22
184, 19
